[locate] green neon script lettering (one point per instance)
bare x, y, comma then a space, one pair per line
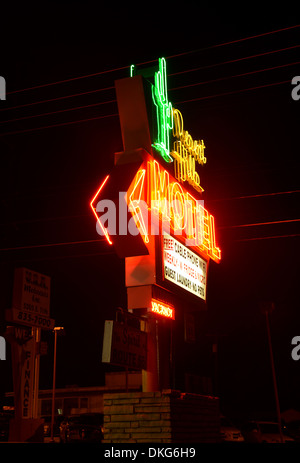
132, 70
164, 111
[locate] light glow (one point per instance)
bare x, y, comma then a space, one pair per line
186, 152
161, 308
155, 193
134, 204
105, 232
181, 210
164, 113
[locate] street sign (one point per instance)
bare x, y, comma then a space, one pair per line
124, 346
22, 317
31, 292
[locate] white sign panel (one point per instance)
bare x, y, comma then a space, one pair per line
31, 292
183, 267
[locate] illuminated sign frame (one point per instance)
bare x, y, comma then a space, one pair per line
183, 267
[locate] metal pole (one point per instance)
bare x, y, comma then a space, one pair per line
37, 333
150, 377
53, 386
274, 377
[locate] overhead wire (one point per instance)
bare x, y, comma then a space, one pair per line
260, 195
50, 100
171, 89
49, 113
268, 237
231, 42
172, 74
259, 224
50, 126
47, 245
219, 79
59, 111
151, 61
222, 63
116, 114
233, 92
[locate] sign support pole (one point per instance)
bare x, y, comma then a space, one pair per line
150, 377
37, 336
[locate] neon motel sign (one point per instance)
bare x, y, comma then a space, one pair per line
154, 196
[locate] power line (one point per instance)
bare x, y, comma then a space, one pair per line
222, 63
173, 74
255, 196
171, 89
234, 92
234, 76
116, 114
235, 41
114, 101
77, 216
58, 98
151, 61
184, 101
35, 246
66, 256
67, 80
259, 224
58, 125
269, 237
58, 111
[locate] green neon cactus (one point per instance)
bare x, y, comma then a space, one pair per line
164, 111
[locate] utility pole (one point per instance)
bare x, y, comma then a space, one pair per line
267, 308
56, 329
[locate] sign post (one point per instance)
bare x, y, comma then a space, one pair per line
29, 315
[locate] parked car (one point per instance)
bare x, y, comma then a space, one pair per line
229, 432
264, 432
56, 428
87, 427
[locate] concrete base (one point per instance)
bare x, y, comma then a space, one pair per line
167, 416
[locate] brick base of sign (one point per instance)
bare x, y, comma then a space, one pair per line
161, 417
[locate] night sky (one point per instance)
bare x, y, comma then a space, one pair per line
233, 93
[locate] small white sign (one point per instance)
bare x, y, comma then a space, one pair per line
183, 267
